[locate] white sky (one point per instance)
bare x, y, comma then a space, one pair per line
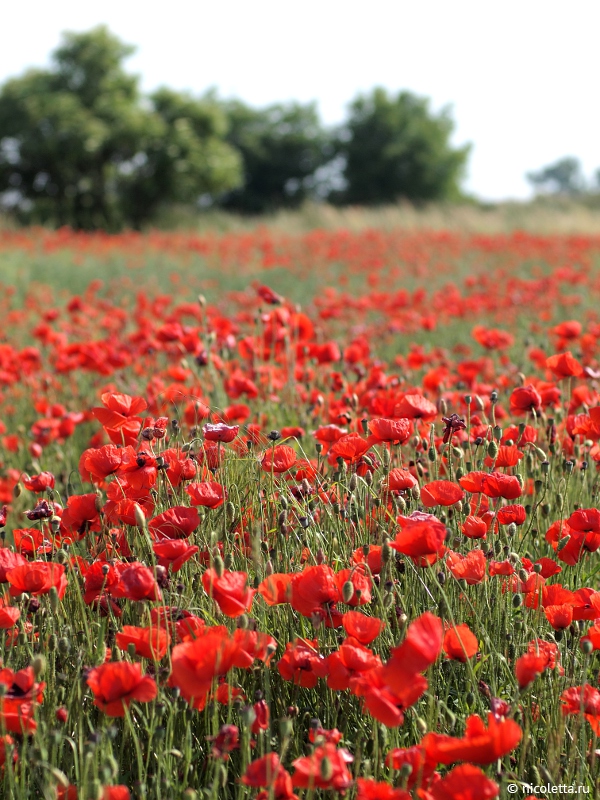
521, 75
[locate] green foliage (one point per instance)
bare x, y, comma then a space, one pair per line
79, 146
564, 177
397, 148
282, 146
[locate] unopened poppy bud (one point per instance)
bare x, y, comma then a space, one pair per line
432, 454
219, 566
400, 503
17, 489
443, 406
64, 646
386, 458
517, 601
586, 647
492, 449
138, 515
326, 769
365, 425
228, 562
478, 403
52, 642
523, 575
242, 621
457, 452
415, 493
131, 650
353, 482
54, 599
421, 726
406, 771
347, 591
511, 529
39, 665
386, 552
286, 727
269, 569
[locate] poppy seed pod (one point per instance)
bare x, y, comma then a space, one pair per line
492, 449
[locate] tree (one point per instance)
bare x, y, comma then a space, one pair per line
564, 177
395, 148
282, 147
80, 146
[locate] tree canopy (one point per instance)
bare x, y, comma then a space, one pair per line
395, 148
79, 145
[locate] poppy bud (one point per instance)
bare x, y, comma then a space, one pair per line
131, 649
478, 403
415, 493
286, 727
365, 425
563, 543
228, 562
64, 646
421, 726
242, 621
54, 599
517, 601
492, 449
457, 452
511, 529
316, 619
326, 769
219, 566
39, 665
17, 489
406, 770
586, 647
400, 503
432, 454
386, 552
138, 515
347, 591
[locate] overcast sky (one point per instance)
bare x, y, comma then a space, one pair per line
521, 76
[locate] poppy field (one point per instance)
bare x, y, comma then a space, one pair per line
299, 515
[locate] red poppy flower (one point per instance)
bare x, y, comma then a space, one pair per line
525, 399
268, 772
470, 568
302, 663
229, 591
116, 684
364, 629
137, 582
583, 699
196, 663
278, 459
463, 783
399, 480
207, 493
511, 514
474, 527
441, 493
177, 522
421, 770
151, 642
396, 431
309, 772
351, 447
314, 589
37, 577
415, 406
220, 432
39, 483
174, 553
564, 365
421, 537
460, 643
276, 588
480, 744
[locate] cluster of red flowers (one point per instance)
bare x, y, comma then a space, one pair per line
213, 550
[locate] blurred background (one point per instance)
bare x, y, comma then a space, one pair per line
118, 115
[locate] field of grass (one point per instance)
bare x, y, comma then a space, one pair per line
300, 512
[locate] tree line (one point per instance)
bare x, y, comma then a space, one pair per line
80, 145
